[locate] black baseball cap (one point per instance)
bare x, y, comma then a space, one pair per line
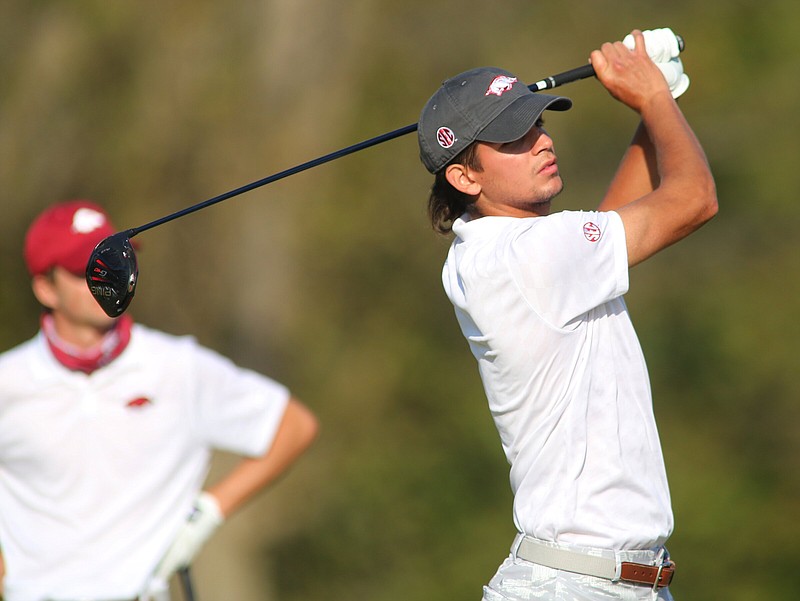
486, 104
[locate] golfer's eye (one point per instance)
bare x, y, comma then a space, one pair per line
513, 146
540, 123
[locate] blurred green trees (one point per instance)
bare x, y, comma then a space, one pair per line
329, 280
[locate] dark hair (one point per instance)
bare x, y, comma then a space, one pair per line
445, 203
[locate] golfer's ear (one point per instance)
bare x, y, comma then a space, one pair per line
460, 177
44, 290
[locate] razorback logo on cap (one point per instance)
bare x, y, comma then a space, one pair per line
87, 220
500, 85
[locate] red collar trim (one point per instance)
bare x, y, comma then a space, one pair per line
88, 360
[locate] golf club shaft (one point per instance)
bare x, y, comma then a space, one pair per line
545, 84
186, 584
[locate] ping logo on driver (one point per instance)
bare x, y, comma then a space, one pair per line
103, 291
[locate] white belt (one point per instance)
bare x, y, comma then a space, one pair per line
534, 551
564, 559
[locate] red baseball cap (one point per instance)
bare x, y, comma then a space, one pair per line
65, 235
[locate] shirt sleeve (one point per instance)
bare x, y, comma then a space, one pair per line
569, 263
236, 409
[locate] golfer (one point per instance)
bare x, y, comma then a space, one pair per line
106, 431
539, 298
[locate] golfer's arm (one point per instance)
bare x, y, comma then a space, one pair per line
685, 197
295, 434
636, 175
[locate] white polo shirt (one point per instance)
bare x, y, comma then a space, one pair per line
540, 303
98, 472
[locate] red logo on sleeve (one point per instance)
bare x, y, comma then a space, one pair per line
591, 231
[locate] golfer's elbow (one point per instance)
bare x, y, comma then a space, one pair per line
707, 203
699, 194
303, 423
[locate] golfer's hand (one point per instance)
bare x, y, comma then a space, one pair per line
201, 523
664, 49
157, 590
630, 76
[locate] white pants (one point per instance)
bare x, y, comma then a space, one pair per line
520, 580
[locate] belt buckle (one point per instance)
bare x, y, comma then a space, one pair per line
664, 564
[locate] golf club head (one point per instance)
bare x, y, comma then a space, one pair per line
112, 273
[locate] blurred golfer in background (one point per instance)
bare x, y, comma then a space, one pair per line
106, 432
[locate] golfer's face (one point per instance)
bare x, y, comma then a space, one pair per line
74, 302
521, 175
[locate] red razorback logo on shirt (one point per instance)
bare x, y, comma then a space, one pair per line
139, 402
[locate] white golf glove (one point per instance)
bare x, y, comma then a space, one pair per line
157, 590
201, 523
664, 49
673, 72
662, 44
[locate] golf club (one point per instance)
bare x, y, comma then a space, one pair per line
112, 272
186, 584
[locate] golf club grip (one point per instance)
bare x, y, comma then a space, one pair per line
580, 73
560, 79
